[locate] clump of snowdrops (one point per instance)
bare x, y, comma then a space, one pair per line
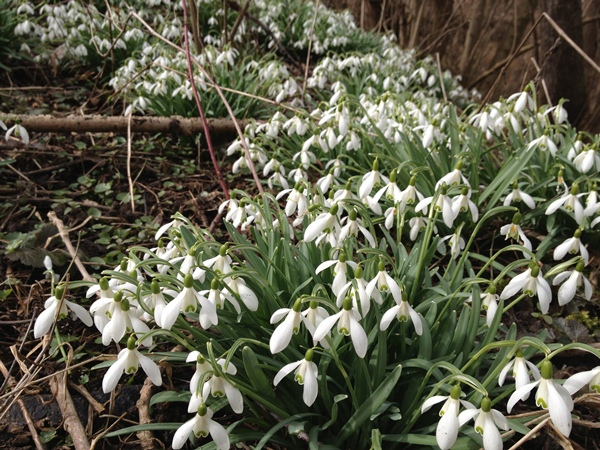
375, 280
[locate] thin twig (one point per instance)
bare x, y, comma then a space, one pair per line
192, 81
129, 180
310, 40
64, 234
24, 411
221, 95
530, 434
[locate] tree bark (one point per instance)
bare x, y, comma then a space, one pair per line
562, 68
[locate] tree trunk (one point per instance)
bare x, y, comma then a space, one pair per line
476, 22
562, 68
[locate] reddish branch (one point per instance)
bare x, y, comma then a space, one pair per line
118, 124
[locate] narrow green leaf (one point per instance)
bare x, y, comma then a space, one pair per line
370, 405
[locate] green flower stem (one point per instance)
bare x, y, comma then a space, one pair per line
514, 302
480, 222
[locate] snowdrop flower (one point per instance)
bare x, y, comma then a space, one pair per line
324, 224
348, 325
202, 367
57, 307
312, 318
187, 301
305, 373
356, 289
543, 143
218, 386
353, 226
282, 335
175, 224
517, 196
447, 429
123, 318
443, 204
587, 159
513, 230
18, 130
391, 190
579, 380
592, 203
296, 200
520, 372
202, 425
456, 243
128, 361
551, 396
238, 286
487, 423
572, 280
489, 302
572, 246
453, 178
324, 183
402, 311
463, 203
409, 195
531, 282
418, 224
339, 271
155, 302
371, 179
221, 263
383, 283
571, 203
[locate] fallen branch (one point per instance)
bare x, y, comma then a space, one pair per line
143, 404
118, 124
64, 234
72, 424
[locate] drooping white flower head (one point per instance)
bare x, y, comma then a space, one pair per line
513, 231
520, 372
531, 282
56, 307
371, 179
282, 335
383, 283
518, 196
572, 246
128, 361
488, 422
551, 396
579, 380
348, 325
570, 202
447, 428
202, 425
403, 312
305, 373
571, 280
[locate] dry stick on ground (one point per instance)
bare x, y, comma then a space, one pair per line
143, 405
64, 234
72, 424
24, 412
118, 124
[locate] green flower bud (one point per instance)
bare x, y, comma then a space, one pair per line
310, 353
188, 281
155, 287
